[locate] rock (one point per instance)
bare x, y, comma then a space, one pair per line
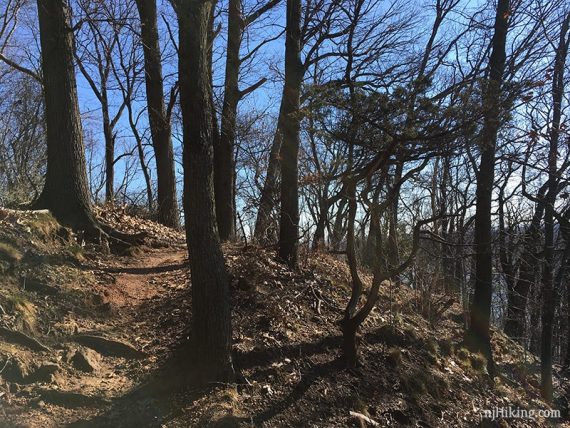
44, 373
109, 347
86, 360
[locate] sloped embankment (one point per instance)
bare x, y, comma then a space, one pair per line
80, 329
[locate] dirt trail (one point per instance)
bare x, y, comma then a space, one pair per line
136, 304
131, 280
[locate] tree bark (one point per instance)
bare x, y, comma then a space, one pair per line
548, 291
319, 235
224, 167
167, 204
478, 336
393, 252
65, 192
289, 216
109, 146
211, 333
263, 228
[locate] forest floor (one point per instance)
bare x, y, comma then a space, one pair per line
86, 338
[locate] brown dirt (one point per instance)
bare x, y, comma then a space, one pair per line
122, 299
286, 347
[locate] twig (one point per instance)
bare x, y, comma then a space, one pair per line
364, 418
5, 364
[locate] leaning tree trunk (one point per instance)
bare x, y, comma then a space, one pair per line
211, 316
289, 216
263, 222
65, 192
478, 336
167, 205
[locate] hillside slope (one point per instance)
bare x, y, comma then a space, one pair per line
83, 333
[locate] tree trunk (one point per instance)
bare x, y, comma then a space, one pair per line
338, 229
548, 292
66, 192
518, 298
351, 247
393, 252
224, 167
478, 337
263, 227
349, 342
211, 333
289, 217
109, 148
167, 205
319, 235
140, 150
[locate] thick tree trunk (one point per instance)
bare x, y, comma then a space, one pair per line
167, 204
289, 216
211, 333
478, 337
66, 192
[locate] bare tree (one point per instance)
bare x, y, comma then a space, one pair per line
211, 335
167, 205
548, 292
224, 166
289, 153
478, 335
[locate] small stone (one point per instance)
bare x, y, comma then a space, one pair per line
43, 374
86, 360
